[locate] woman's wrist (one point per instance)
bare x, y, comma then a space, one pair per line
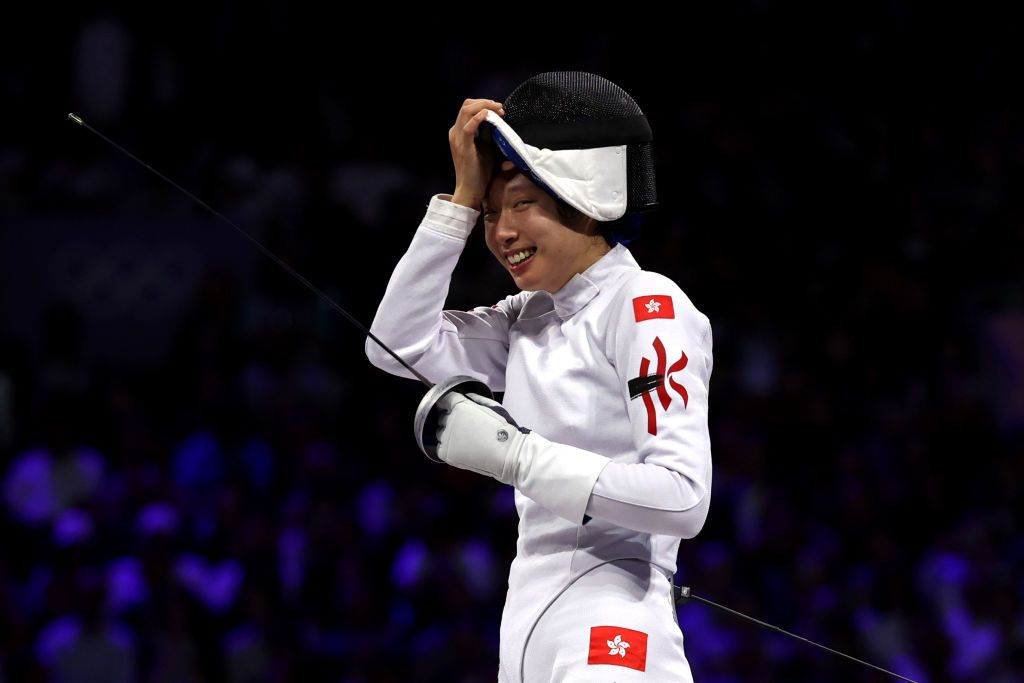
466, 199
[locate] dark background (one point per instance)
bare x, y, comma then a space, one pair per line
203, 478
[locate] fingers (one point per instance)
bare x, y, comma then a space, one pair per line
449, 401
472, 160
444, 406
472, 108
482, 400
473, 125
474, 112
444, 409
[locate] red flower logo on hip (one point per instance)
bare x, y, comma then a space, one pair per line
618, 646
642, 385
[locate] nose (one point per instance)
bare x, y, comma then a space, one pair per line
506, 229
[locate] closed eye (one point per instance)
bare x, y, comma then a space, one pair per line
489, 213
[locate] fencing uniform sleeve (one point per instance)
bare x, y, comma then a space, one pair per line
411, 319
661, 346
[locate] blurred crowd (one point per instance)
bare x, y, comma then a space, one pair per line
202, 479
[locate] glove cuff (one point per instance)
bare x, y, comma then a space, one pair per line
557, 476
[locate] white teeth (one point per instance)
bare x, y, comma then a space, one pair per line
521, 256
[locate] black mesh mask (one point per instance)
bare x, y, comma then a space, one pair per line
562, 110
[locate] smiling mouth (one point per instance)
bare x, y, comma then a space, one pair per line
520, 258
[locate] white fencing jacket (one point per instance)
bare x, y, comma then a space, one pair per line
616, 363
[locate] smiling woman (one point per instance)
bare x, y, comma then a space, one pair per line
606, 486
527, 231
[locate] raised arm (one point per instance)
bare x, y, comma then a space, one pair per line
411, 318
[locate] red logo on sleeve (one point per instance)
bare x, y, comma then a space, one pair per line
618, 646
663, 396
653, 306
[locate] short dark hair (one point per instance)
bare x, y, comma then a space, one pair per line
570, 214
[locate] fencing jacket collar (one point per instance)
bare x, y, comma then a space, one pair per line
583, 287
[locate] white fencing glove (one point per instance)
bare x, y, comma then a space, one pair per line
476, 433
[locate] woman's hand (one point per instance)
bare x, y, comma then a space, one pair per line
472, 156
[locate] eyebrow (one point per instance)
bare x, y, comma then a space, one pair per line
520, 182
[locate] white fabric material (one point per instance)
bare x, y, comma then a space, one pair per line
592, 180
564, 362
627, 593
474, 437
652, 499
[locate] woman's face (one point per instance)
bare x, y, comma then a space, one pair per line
520, 219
